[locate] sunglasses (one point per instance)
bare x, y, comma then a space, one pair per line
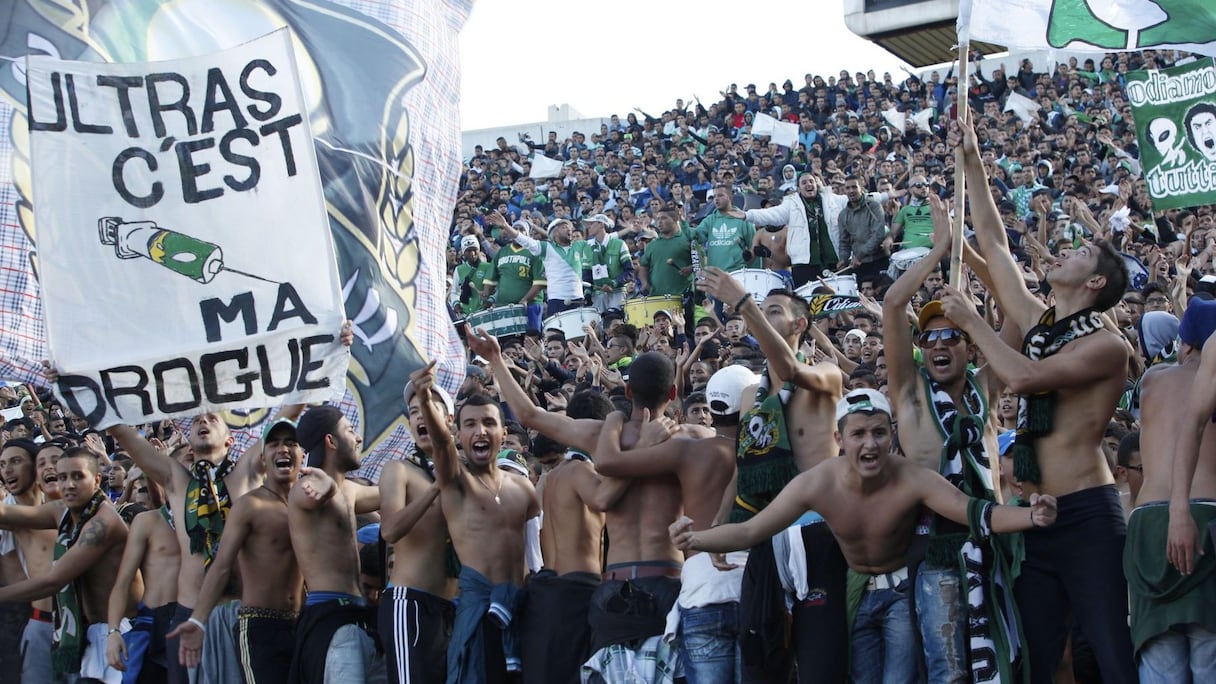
948, 336
919, 185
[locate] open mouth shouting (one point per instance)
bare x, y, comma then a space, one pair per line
480, 448
940, 361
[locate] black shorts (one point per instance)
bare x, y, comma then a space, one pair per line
265, 639
415, 627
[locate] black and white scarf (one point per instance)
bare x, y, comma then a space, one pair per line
1036, 411
965, 463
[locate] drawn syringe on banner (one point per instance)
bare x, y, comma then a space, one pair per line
196, 259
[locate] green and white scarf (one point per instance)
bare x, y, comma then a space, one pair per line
68, 641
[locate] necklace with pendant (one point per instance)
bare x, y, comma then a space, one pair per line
496, 494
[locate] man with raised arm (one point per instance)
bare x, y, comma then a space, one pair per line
257, 540
942, 408
1070, 373
555, 637
31, 553
153, 553
333, 642
416, 610
785, 430
199, 499
871, 501
634, 523
487, 511
709, 591
88, 551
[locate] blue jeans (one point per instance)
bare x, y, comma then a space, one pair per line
1185, 653
352, 658
941, 615
884, 647
534, 317
709, 644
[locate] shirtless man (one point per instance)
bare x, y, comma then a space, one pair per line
555, 636
332, 640
416, 610
256, 538
635, 524
1070, 376
88, 551
787, 430
152, 558
210, 440
487, 511
28, 554
709, 588
871, 501
1173, 618
929, 401
198, 536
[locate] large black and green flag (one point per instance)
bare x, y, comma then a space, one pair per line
1175, 113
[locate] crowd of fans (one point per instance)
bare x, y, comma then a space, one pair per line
606, 287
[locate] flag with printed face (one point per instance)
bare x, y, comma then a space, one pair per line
1175, 114
380, 80
1092, 25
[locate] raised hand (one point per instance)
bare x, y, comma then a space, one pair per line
483, 344
721, 285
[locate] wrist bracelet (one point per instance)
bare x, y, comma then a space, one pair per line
113, 631
1033, 524
196, 623
739, 306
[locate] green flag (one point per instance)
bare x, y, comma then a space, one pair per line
1175, 114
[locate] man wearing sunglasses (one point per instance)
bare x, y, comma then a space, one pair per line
968, 457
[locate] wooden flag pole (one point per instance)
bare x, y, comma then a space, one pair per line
960, 178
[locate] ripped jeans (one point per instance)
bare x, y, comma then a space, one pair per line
941, 616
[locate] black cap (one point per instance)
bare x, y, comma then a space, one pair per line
315, 424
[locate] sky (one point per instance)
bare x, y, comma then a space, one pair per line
520, 56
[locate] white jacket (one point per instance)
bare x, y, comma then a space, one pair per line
792, 214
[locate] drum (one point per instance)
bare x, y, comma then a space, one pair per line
571, 322
842, 284
904, 259
641, 311
501, 321
758, 282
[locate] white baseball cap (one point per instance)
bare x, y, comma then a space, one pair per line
726, 388
469, 242
446, 398
862, 400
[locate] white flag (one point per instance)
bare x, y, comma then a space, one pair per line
544, 167
1091, 25
783, 133
1023, 107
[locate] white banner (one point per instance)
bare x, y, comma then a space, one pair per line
1089, 26
184, 243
